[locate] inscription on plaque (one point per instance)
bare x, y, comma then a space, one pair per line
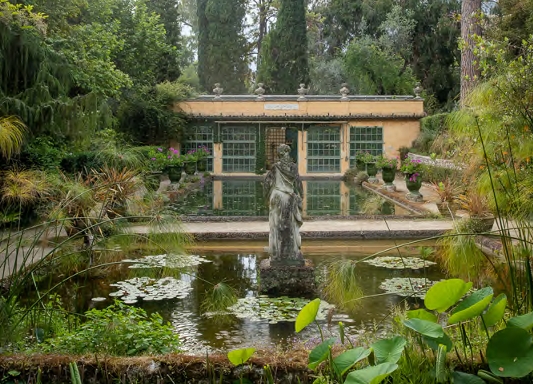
282, 107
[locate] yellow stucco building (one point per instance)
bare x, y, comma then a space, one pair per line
324, 132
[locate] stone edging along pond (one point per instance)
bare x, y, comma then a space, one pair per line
172, 369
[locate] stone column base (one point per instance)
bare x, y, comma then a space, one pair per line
281, 280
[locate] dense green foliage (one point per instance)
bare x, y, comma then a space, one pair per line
119, 329
284, 55
221, 45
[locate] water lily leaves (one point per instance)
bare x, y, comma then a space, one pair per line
396, 262
510, 352
240, 356
425, 328
371, 375
149, 289
446, 293
524, 321
307, 315
421, 314
348, 359
407, 286
320, 353
496, 310
168, 261
471, 306
466, 378
389, 350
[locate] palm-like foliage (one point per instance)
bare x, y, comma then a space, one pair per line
12, 132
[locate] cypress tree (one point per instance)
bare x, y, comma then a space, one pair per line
222, 45
284, 64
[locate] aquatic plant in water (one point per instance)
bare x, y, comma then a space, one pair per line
407, 286
168, 261
150, 289
272, 309
396, 262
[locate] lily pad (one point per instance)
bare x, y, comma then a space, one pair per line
407, 286
98, 299
168, 261
148, 289
273, 310
395, 262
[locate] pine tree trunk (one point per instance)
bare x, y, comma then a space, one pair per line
470, 26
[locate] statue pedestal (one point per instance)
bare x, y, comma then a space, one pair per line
287, 280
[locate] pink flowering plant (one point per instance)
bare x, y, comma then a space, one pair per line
412, 168
159, 158
384, 162
196, 154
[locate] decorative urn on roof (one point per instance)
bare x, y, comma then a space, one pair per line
260, 91
345, 91
302, 91
218, 90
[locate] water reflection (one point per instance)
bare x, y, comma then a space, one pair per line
244, 197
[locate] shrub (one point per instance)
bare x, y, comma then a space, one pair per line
430, 128
119, 330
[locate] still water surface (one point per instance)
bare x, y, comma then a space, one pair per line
244, 197
240, 270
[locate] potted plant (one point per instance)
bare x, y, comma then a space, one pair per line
189, 161
360, 161
448, 191
370, 163
388, 169
202, 153
412, 169
480, 217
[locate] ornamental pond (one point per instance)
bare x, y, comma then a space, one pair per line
175, 285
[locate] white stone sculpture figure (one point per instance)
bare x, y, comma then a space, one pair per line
283, 189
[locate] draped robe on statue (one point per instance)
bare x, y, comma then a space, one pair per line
283, 189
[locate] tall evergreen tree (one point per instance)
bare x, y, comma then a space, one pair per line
221, 45
284, 62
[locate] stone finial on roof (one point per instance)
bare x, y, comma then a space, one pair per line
260, 91
302, 91
417, 90
345, 91
218, 90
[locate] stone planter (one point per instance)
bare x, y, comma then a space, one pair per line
190, 168
446, 208
174, 173
201, 165
481, 224
372, 171
388, 175
413, 184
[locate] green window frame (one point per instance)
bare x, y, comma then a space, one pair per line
323, 198
242, 198
197, 136
239, 150
365, 139
324, 149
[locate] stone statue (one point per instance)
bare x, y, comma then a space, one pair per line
283, 190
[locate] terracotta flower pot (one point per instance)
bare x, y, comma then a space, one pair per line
480, 224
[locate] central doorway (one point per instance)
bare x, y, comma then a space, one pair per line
275, 136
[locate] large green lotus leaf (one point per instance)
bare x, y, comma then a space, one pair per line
348, 359
446, 293
424, 327
371, 375
466, 378
307, 315
510, 353
472, 306
240, 356
434, 343
496, 310
320, 353
421, 314
524, 321
389, 350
